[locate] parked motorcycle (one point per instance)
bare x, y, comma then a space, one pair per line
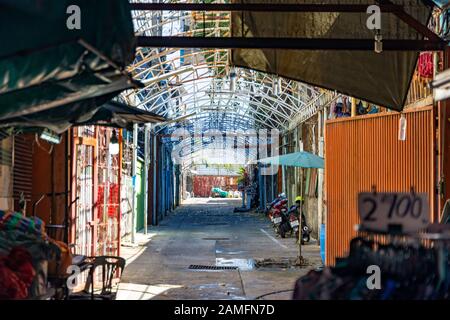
277, 218
270, 207
278, 212
291, 224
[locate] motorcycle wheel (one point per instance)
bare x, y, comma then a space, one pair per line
305, 239
284, 228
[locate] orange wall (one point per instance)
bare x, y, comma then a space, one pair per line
365, 151
42, 180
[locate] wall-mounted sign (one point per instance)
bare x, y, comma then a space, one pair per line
384, 212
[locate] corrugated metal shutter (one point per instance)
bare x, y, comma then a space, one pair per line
23, 168
362, 152
5, 171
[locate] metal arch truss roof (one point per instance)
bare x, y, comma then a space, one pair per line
201, 88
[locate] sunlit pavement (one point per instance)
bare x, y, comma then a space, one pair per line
207, 232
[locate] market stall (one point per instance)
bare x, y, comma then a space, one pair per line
397, 255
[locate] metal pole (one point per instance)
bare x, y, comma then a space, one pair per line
162, 179
146, 168
154, 213
283, 168
134, 172
259, 7
299, 147
300, 231
287, 43
106, 186
320, 171
353, 107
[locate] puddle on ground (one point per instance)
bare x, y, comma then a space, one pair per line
242, 264
214, 286
218, 251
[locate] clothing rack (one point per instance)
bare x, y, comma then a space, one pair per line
412, 266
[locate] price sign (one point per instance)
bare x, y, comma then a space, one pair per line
382, 211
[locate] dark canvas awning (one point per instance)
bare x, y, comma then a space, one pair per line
121, 115
383, 79
90, 112
44, 66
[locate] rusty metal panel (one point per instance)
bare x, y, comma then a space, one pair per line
108, 191
365, 151
204, 184
126, 191
84, 191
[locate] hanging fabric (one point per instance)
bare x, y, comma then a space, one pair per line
425, 65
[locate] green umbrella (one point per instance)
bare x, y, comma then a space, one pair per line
300, 159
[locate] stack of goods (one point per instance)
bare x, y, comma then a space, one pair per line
408, 270
25, 251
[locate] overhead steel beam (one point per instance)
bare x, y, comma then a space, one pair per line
414, 23
287, 43
386, 7
261, 7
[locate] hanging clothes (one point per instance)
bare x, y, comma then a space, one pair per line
425, 65
25, 252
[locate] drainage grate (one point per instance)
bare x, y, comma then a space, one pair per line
200, 267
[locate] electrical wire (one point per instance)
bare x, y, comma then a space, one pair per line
273, 292
49, 151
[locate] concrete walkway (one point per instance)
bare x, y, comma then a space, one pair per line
207, 232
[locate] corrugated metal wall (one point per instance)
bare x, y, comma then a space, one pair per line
365, 151
23, 168
6, 172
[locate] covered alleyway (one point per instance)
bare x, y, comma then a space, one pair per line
206, 231
325, 119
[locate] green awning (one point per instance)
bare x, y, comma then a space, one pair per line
300, 159
47, 69
121, 115
92, 112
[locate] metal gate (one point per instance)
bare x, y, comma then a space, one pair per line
365, 151
108, 196
126, 188
84, 148
96, 216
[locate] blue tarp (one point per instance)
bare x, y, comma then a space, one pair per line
440, 3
